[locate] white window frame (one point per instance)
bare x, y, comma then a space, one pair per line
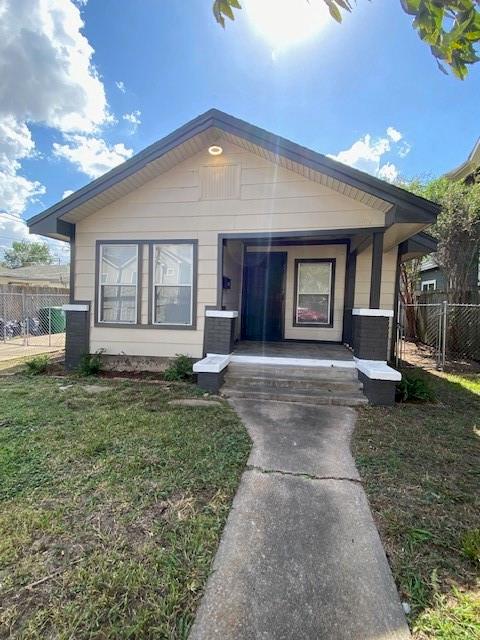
426, 285
329, 322
154, 284
101, 284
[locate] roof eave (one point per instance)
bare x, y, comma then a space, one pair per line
423, 210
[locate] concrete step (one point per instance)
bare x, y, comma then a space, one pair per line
293, 372
320, 397
268, 383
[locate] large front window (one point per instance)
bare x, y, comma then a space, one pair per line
173, 284
118, 283
314, 291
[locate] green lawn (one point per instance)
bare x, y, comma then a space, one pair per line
421, 467
111, 506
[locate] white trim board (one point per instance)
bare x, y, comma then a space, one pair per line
218, 313
382, 313
75, 307
293, 362
377, 370
213, 363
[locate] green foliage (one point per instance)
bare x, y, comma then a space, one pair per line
118, 499
471, 545
90, 364
413, 389
451, 28
24, 254
457, 230
179, 369
37, 365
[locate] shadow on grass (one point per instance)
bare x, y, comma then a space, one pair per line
419, 463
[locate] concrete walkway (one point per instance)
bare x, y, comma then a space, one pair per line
300, 557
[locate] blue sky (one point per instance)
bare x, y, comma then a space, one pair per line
367, 91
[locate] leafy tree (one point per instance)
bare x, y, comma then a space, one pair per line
457, 230
409, 276
450, 27
25, 254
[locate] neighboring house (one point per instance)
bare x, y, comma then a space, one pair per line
431, 275
468, 171
39, 275
223, 231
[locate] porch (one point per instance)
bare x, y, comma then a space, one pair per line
317, 351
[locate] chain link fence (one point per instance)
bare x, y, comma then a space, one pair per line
448, 332
31, 323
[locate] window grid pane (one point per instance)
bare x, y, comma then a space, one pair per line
118, 283
314, 280
173, 284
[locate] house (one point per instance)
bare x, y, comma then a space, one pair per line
39, 275
431, 275
223, 232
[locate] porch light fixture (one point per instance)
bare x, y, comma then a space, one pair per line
215, 150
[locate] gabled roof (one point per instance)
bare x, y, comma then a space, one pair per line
40, 272
471, 164
57, 221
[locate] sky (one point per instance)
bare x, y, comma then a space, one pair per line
85, 84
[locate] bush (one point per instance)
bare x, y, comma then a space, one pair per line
37, 365
179, 369
471, 545
90, 364
413, 389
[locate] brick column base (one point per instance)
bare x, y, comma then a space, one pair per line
77, 338
370, 336
219, 333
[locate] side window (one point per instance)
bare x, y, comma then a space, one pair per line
314, 292
118, 283
172, 286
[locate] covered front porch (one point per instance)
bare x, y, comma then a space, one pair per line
303, 286
321, 302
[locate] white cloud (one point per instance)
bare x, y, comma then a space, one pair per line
367, 154
91, 155
47, 76
41, 43
394, 134
67, 193
134, 119
121, 86
16, 143
388, 171
364, 154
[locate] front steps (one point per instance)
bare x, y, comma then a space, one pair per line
334, 385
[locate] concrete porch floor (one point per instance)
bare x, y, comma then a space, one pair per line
309, 350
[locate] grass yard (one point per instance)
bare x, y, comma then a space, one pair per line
421, 467
111, 506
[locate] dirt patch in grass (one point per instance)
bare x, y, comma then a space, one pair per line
110, 512
420, 466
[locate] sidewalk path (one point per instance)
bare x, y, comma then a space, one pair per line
300, 557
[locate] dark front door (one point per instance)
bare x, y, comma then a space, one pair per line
264, 294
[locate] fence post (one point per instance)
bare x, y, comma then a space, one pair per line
49, 326
444, 334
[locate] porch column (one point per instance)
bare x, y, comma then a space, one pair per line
350, 277
376, 275
219, 332
370, 349
77, 336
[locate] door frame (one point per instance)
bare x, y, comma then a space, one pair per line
284, 254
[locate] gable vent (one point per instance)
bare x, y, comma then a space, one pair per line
220, 182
